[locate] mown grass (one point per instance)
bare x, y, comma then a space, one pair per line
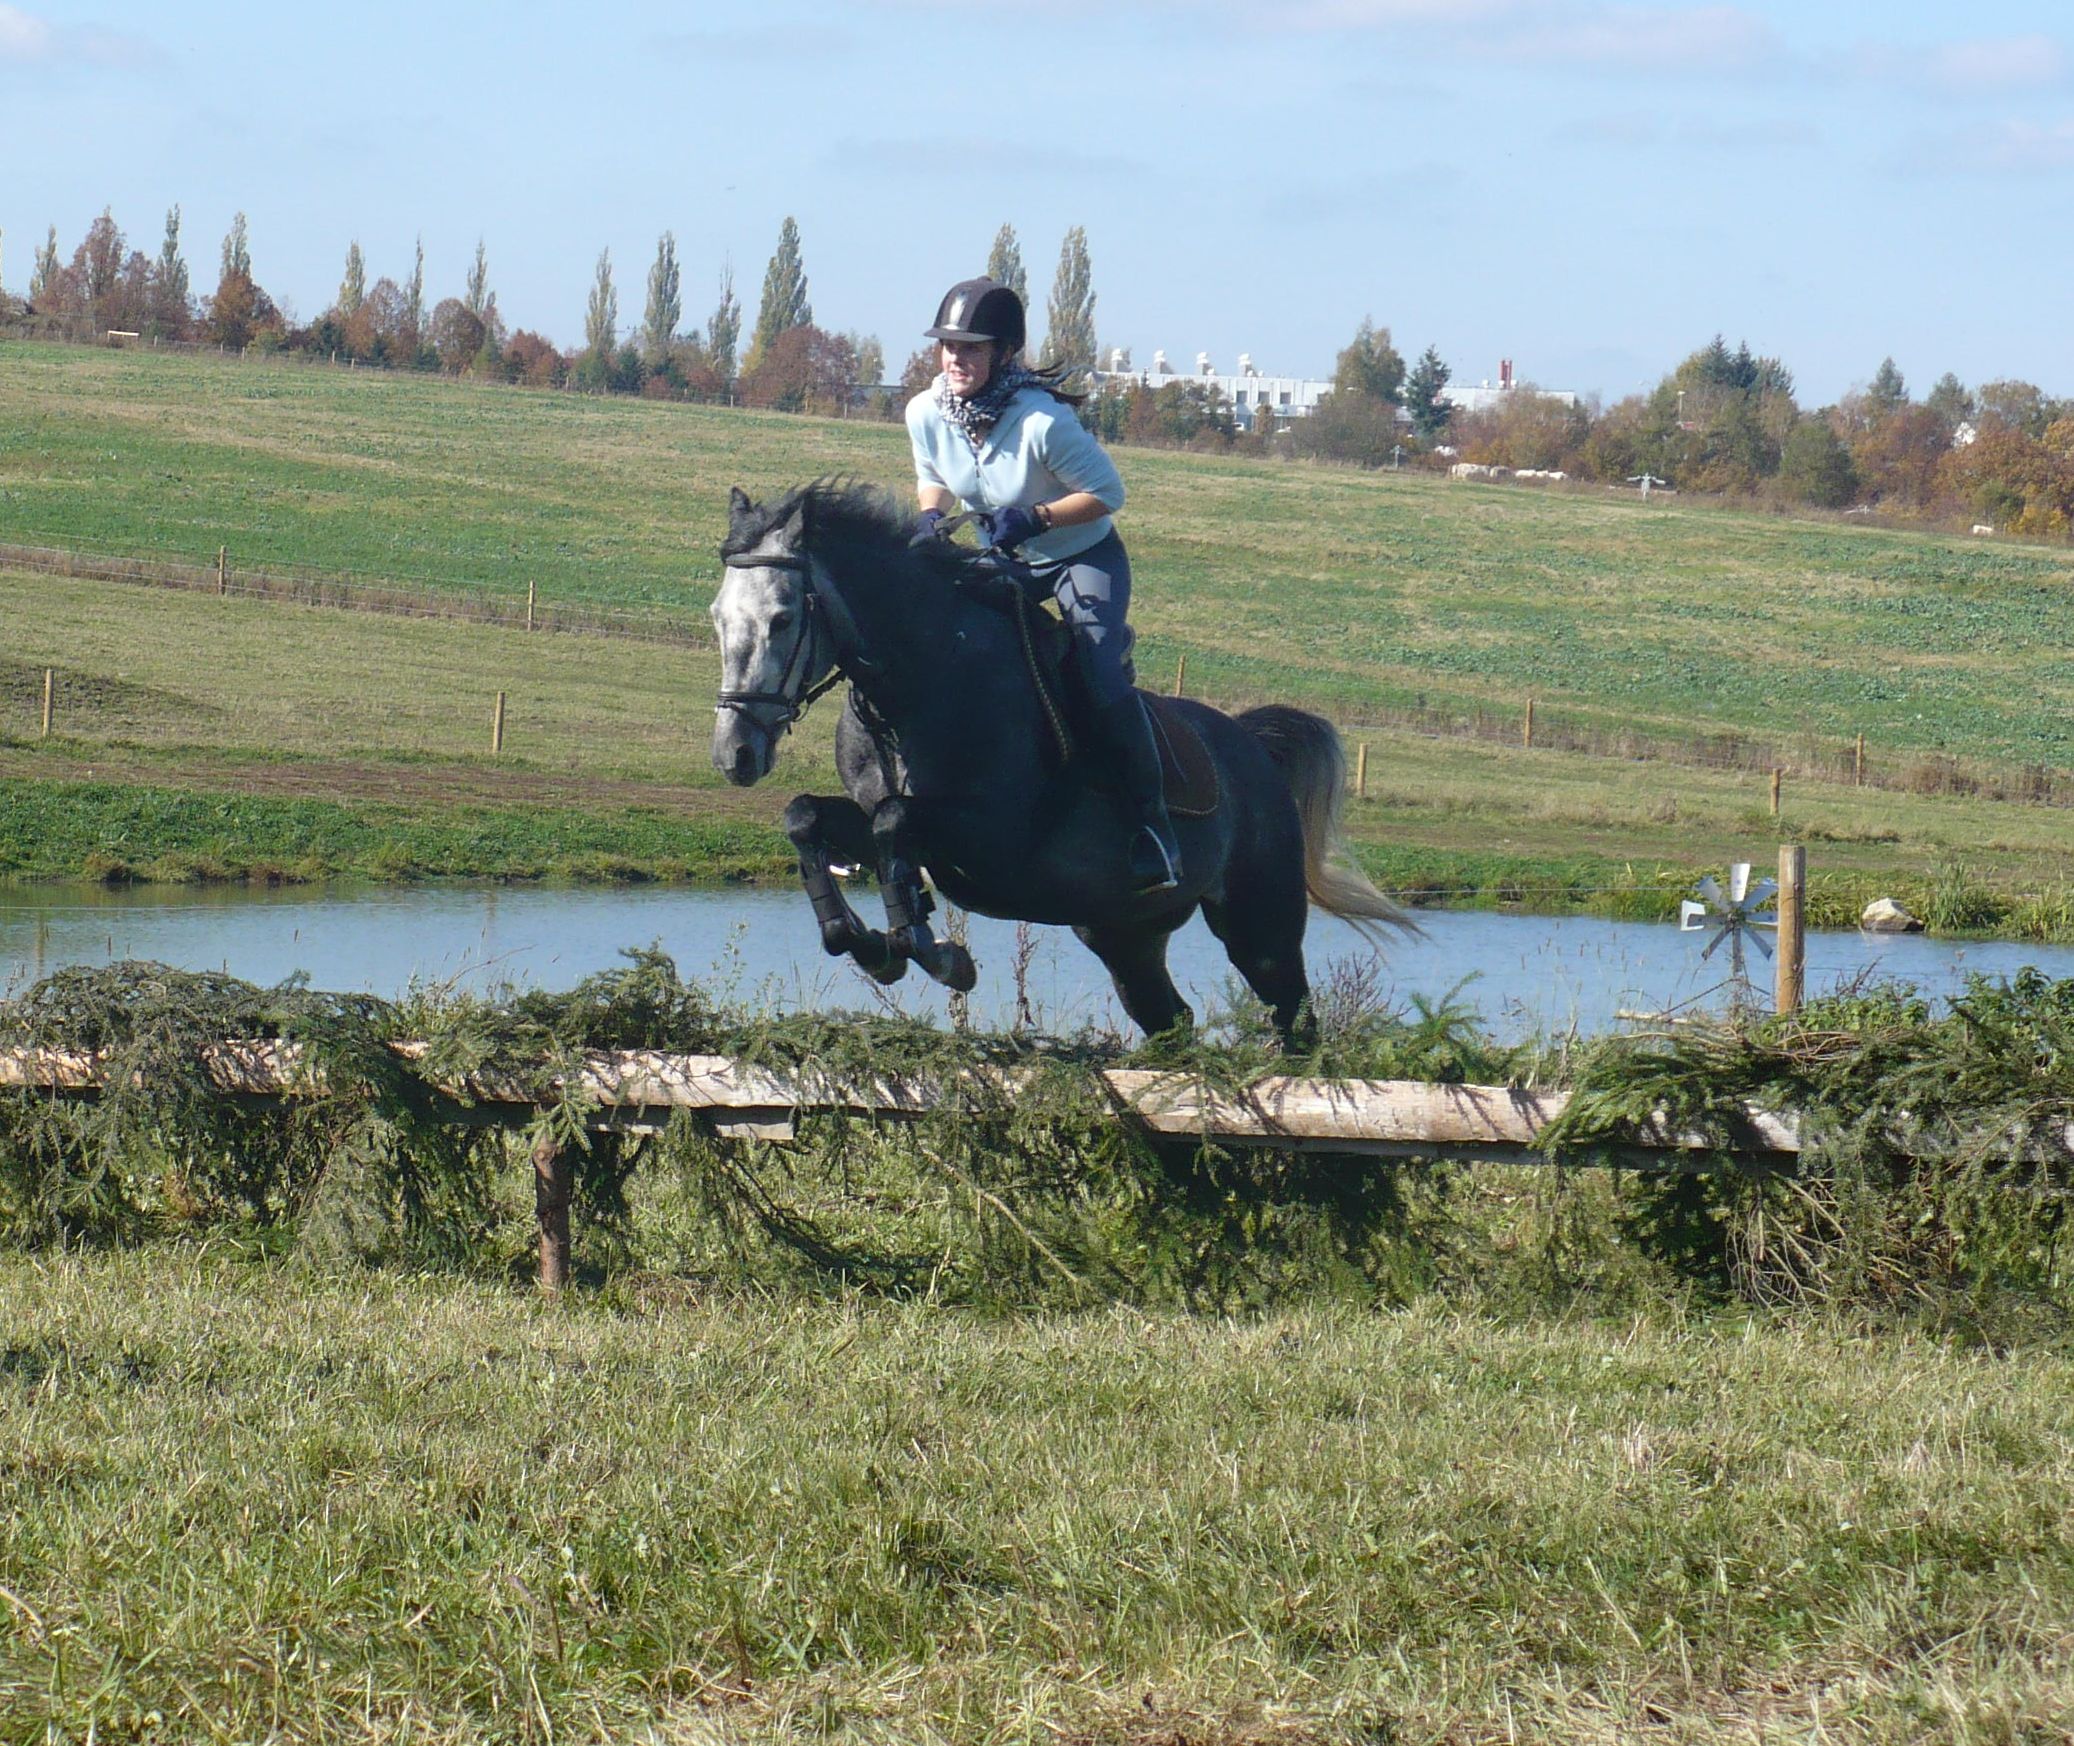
245, 1502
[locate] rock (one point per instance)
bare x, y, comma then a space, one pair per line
1884, 916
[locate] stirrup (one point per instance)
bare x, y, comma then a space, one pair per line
1158, 871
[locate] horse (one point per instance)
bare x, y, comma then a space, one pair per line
953, 748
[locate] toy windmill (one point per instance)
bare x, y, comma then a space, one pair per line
1732, 915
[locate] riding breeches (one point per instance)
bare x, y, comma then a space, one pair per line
1093, 592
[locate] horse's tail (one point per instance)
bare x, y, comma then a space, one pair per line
1306, 749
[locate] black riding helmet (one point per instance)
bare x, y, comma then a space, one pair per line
979, 309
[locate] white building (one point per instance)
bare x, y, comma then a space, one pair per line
1247, 389
1486, 396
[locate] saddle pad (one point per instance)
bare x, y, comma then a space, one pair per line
1186, 773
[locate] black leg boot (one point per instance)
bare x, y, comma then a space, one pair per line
1126, 732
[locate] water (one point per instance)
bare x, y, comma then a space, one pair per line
1526, 975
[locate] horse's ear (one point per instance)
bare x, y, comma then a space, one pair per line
738, 506
792, 530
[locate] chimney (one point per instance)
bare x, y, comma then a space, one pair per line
1504, 372
1246, 364
1202, 364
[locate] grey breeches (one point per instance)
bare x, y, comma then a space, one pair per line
1093, 593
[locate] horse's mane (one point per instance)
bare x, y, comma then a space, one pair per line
853, 526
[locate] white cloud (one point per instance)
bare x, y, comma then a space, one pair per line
2010, 63
2011, 148
26, 39
23, 38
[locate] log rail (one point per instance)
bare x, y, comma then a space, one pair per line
640, 1090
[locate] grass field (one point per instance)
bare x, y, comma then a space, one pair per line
248, 1504
1359, 594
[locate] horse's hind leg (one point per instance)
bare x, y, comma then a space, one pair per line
825, 828
907, 904
1263, 937
1136, 959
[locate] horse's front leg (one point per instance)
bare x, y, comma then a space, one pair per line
907, 904
825, 829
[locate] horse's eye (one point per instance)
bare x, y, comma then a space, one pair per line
780, 623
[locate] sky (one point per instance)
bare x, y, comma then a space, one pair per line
1590, 189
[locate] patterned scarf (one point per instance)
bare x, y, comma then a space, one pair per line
980, 413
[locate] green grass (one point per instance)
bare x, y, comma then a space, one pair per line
359, 744
248, 1503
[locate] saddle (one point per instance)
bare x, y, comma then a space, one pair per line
1187, 773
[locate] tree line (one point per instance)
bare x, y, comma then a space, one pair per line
790, 363
1722, 422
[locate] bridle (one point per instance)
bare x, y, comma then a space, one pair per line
823, 605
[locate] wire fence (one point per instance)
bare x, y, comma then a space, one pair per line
345, 591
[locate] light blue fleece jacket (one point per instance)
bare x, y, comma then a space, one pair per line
1036, 452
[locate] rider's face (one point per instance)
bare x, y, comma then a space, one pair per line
966, 365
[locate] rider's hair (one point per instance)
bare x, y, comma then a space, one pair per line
1050, 377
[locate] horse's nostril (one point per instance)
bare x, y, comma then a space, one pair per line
745, 763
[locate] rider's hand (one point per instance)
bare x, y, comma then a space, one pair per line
928, 526
1010, 527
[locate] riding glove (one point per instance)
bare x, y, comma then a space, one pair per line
928, 526
1008, 528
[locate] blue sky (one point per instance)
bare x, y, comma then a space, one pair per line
1591, 189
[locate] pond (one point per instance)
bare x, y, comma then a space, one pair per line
1524, 974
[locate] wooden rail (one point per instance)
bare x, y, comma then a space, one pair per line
637, 1091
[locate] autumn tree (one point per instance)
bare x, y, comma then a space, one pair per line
476, 294
239, 310
410, 328
784, 305
455, 335
97, 270
533, 360
802, 370
1005, 263
1370, 365
2022, 406
1950, 401
43, 280
1886, 392
1069, 337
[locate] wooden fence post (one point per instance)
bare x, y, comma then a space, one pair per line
1361, 770
1858, 764
532, 592
552, 1181
1791, 984
1527, 731
1181, 674
1777, 775
50, 692
223, 570
497, 726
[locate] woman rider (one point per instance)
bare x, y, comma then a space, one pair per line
1002, 440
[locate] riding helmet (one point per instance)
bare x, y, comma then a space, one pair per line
979, 309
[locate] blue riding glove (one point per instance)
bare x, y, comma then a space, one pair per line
1010, 527
928, 526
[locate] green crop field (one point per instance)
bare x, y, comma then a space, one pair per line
1364, 595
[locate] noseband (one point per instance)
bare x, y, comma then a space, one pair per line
822, 602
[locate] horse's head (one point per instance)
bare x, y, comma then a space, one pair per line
775, 643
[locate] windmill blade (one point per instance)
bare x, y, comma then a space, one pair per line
1761, 894
1711, 891
1762, 944
1691, 916
1714, 945
1738, 881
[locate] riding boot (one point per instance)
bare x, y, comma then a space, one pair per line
1126, 733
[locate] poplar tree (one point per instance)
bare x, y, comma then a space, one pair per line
237, 250
1070, 315
724, 328
602, 314
170, 311
1005, 263
45, 279
414, 308
1888, 392
352, 290
665, 303
477, 298
784, 304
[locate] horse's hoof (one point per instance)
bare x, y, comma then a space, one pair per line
955, 968
887, 973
